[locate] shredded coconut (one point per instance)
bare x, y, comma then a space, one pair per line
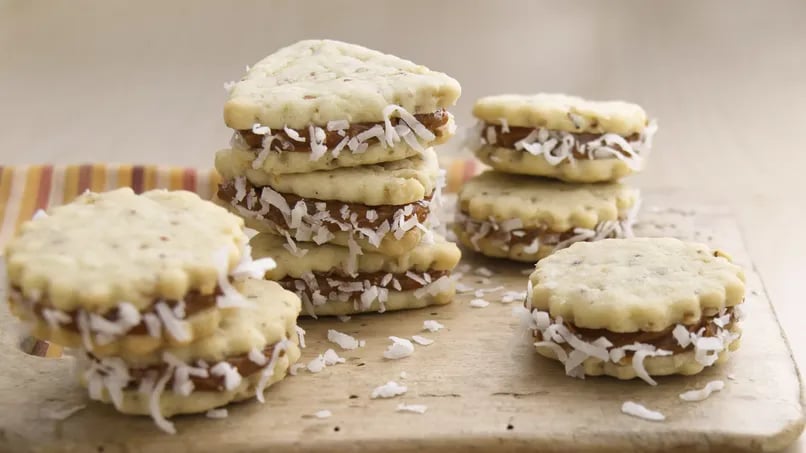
432, 326
483, 271
414, 408
403, 375
323, 414
389, 390
479, 303
422, 341
217, 413
342, 339
639, 411
316, 365
703, 393
344, 318
62, 413
399, 349
330, 357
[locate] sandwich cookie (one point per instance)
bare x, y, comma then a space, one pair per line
562, 137
121, 274
320, 104
251, 349
525, 219
638, 307
331, 280
384, 207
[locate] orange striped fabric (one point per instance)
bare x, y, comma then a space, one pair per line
26, 189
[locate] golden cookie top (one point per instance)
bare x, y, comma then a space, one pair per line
317, 81
639, 284
561, 112
544, 203
106, 248
439, 255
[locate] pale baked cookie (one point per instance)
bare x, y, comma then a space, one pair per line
636, 307
321, 104
119, 273
562, 137
525, 219
384, 207
331, 280
251, 349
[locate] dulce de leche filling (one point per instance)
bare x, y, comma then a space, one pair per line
663, 339
331, 284
193, 302
434, 122
211, 382
340, 215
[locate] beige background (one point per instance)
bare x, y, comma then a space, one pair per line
106, 81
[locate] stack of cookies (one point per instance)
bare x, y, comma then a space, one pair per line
556, 160
332, 158
160, 298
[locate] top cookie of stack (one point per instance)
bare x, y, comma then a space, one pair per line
320, 105
563, 137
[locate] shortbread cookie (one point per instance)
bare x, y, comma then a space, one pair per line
319, 105
562, 137
117, 272
636, 307
525, 219
251, 349
334, 280
382, 208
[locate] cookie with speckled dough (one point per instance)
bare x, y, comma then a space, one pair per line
332, 281
252, 348
525, 219
322, 104
117, 272
562, 137
382, 208
637, 307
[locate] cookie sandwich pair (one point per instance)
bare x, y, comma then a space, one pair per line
160, 298
639, 307
333, 149
556, 161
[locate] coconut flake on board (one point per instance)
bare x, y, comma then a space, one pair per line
400, 348
703, 393
323, 414
217, 413
389, 390
432, 326
479, 303
61, 413
422, 341
639, 411
344, 341
413, 408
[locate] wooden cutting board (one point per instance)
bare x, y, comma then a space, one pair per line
484, 386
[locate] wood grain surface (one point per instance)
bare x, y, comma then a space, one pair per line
483, 383
114, 81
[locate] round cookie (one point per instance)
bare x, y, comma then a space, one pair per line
333, 280
117, 272
379, 208
251, 349
636, 307
525, 219
562, 137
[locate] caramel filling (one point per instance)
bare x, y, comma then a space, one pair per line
663, 339
194, 302
515, 134
211, 383
335, 220
332, 283
434, 122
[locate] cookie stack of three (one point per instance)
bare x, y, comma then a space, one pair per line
556, 161
158, 298
332, 161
